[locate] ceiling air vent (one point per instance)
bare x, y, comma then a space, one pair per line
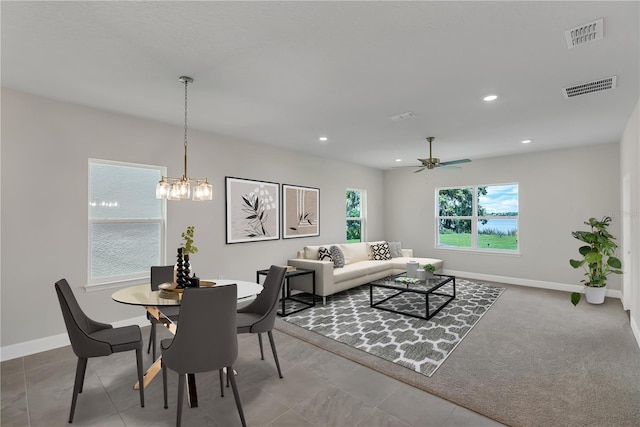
585, 33
594, 86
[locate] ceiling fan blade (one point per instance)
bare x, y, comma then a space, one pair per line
455, 162
419, 170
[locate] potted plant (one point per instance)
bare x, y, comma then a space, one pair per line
429, 269
188, 248
598, 259
183, 271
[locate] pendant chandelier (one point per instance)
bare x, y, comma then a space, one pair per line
180, 188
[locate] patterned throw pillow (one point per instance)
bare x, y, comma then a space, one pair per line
380, 252
324, 254
337, 255
395, 249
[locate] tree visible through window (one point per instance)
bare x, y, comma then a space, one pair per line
126, 221
478, 217
355, 215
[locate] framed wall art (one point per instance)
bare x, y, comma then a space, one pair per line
301, 211
252, 210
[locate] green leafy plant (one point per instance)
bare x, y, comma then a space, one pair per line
598, 255
429, 268
188, 246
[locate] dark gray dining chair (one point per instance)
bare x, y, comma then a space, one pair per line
205, 340
159, 275
93, 339
260, 315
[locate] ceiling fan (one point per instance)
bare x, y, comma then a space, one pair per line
434, 162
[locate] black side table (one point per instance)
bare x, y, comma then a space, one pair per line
286, 289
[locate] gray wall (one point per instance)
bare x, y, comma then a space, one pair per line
558, 190
46, 145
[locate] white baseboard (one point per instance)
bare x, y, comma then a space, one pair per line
527, 282
56, 341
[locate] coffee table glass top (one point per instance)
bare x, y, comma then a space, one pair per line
401, 281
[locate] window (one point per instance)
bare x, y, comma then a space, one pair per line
478, 217
356, 214
126, 221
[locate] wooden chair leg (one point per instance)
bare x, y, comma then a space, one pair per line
81, 367
236, 395
275, 353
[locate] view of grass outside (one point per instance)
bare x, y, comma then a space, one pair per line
355, 217
493, 207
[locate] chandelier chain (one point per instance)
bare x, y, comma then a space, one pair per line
186, 83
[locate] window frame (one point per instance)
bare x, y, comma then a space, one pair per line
363, 214
474, 218
126, 279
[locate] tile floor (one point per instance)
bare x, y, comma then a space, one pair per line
318, 389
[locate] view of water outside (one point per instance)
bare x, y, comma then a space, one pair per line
502, 225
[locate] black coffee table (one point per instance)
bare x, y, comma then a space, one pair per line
441, 288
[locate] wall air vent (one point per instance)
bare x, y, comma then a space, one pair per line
585, 33
594, 86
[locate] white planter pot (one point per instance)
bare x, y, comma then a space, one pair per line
595, 295
422, 275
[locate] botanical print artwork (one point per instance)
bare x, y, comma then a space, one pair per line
252, 210
301, 211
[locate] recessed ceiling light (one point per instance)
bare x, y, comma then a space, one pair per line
398, 160
323, 138
489, 98
525, 141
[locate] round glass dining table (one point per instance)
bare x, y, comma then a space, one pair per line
143, 295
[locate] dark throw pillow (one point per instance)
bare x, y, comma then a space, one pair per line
337, 255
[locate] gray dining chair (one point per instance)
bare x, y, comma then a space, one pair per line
205, 340
159, 275
260, 315
93, 339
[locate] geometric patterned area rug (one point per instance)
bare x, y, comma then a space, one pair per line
417, 344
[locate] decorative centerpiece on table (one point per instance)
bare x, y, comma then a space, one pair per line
426, 272
598, 259
184, 275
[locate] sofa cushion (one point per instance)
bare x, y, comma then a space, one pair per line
380, 252
324, 254
395, 249
354, 252
337, 256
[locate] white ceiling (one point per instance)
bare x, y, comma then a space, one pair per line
285, 73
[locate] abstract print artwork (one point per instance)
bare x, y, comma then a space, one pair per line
301, 211
253, 210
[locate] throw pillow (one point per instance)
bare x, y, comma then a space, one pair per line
324, 254
338, 257
380, 252
395, 249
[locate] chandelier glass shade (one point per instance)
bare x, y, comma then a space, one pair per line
180, 188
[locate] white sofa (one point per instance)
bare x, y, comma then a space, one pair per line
358, 268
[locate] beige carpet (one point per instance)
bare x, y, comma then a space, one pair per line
533, 360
